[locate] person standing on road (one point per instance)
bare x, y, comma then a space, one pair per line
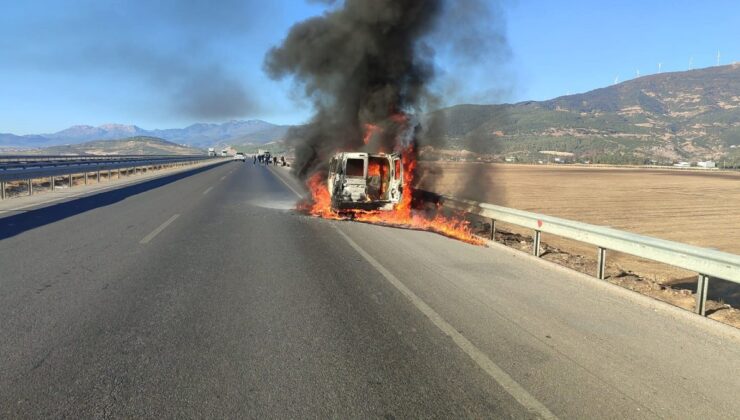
255, 160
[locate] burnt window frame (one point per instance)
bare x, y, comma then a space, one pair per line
347, 168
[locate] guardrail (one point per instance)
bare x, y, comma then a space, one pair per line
28, 168
53, 158
706, 262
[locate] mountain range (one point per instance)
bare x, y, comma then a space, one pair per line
137, 145
690, 115
201, 135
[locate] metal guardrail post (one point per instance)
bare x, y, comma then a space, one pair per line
601, 264
707, 262
70, 180
85, 178
97, 177
30, 187
51, 181
702, 286
109, 175
2, 190
493, 229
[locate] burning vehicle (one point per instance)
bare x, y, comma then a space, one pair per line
367, 66
364, 181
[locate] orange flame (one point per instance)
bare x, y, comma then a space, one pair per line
320, 202
403, 215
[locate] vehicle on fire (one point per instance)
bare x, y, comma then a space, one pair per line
365, 181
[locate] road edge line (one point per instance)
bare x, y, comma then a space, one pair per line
508, 383
286, 183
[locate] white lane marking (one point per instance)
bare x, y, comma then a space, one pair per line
156, 231
222, 178
286, 184
493, 370
207, 190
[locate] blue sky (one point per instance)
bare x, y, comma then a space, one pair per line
171, 63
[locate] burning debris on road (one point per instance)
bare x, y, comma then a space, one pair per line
366, 68
374, 207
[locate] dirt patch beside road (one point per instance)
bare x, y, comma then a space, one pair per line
694, 207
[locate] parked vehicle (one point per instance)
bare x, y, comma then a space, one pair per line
365, 181
240, 156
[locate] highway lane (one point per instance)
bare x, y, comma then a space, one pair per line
208, 296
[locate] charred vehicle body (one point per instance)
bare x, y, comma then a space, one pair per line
365, 181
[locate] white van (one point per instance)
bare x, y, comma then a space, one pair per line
365, 181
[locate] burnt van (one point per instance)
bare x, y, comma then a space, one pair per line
365, 181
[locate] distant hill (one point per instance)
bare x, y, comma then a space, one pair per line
80, 133
139, 145
229, 133
691, 115
670, 116
8, 140
267, 135
196, 135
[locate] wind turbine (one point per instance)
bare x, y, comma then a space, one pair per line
637, 72
718, 56
660, 67
616, 80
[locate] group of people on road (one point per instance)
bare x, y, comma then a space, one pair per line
266, 159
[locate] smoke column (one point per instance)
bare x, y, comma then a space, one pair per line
365, 61
359, 64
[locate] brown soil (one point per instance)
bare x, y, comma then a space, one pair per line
695, 207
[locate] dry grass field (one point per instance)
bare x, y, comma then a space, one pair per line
695, 207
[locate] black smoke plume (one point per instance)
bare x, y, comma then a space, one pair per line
365, 61
360, 64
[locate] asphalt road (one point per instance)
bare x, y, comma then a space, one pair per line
208, 296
